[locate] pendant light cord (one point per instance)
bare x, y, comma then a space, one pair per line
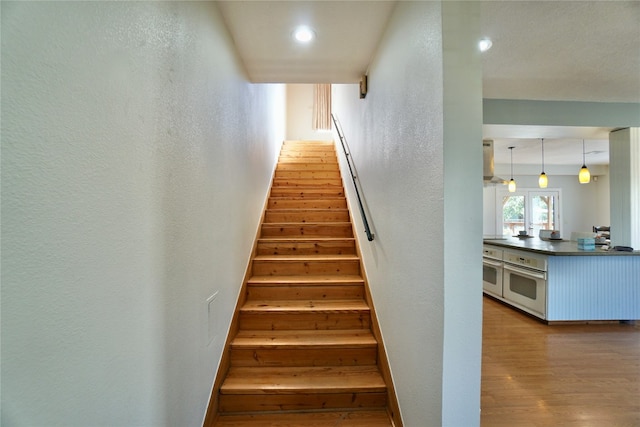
511, 150
542, 140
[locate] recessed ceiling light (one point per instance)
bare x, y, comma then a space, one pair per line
303, 34
485, 44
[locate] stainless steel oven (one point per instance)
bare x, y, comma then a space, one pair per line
492, 271
525, 282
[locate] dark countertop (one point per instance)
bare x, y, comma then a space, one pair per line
552, 247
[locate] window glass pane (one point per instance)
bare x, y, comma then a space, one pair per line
512, 215
543, 213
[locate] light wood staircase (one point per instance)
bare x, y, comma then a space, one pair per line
304, 348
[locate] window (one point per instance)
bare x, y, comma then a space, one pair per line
530, 210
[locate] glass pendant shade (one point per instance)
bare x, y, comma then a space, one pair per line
584, 176
543, 181
512, 183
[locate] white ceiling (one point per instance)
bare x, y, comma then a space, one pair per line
562, 144
542, 50
347, 35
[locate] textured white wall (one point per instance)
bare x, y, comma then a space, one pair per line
397, 137
135, 164
300, 114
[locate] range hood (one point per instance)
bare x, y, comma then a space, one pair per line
487, 164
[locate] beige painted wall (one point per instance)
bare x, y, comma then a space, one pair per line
300, 114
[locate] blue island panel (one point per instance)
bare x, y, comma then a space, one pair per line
593, 288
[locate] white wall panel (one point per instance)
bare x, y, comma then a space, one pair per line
397, 140
135, 164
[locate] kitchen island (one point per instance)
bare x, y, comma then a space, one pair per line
557, 282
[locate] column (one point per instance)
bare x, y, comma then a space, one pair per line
624, 182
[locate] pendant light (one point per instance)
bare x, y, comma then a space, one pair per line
584, 176
512, 183
543, 180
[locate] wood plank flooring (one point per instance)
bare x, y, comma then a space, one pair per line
536, 375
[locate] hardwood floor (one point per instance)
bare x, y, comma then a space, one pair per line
535, 375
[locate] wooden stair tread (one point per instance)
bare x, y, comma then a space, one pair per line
304, 306
303, 245
300, 189
307, 193
308, 182
311, 190
303, 203
369, 418
300, 239
307, 258
305, 339
307, 199
306, 210
306, 224
323, 279
306, 143
300, 380
309, 229
305, 216
307, 166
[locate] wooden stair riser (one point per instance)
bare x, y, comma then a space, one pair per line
307, 182
303, 357
308, 146
306, 230
347, 338
304, 321
301, 385
307, 339
305, 216
323, 154
360, 418
303, 402
282, 174
302, 203
304, 292
307, 193
301, 268
308, 152
307, 166
287, 160
345, 246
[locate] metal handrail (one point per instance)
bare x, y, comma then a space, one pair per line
347, 154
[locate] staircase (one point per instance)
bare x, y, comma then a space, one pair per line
304, 347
